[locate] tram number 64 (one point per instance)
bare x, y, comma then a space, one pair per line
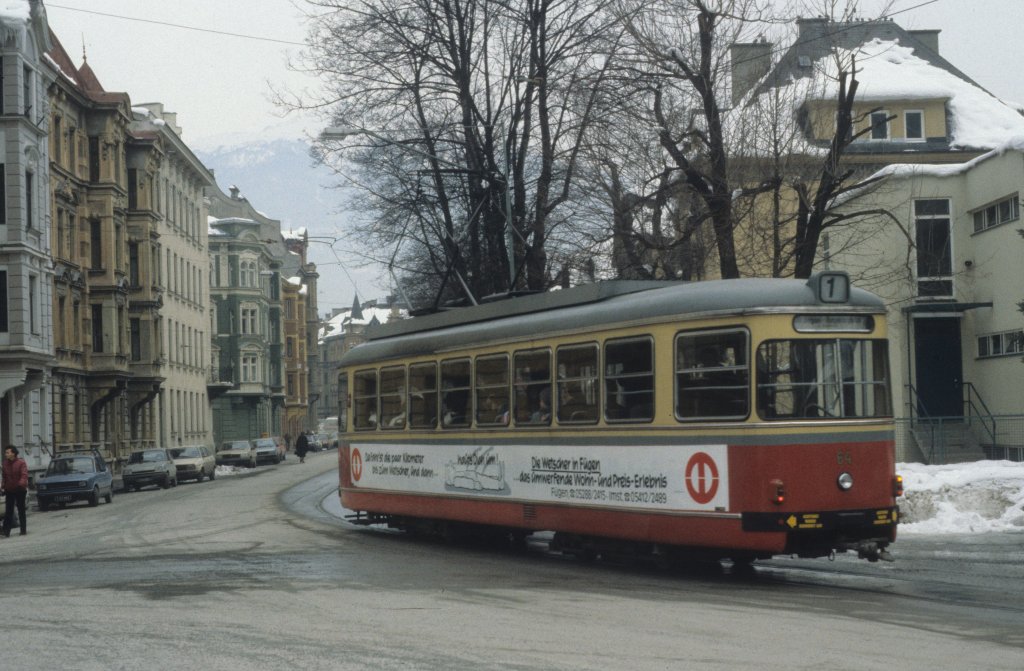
844, 458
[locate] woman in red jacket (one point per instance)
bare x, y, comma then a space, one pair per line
15, 485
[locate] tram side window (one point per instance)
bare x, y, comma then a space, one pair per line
712, 375
392, 397
532, 387
423, 395
629, 380
364, 399
492, 390
823, 379
343, 401
455, 393
577, 367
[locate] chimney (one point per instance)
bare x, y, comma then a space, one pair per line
930, 38
234, 192
750, 62
813, 29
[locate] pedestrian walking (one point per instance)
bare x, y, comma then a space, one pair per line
301, 447
14, 486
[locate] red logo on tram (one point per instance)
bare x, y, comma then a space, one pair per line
357, 465
702, 477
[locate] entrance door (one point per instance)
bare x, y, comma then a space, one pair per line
938, 367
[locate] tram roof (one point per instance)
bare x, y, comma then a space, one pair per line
609, 303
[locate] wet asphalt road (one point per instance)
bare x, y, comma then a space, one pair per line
251, 572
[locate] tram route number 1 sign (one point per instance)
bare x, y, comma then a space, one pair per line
692, 477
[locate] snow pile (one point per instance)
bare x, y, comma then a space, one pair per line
224, 470
979, 497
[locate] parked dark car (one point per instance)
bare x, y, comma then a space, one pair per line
153, 466
75, 477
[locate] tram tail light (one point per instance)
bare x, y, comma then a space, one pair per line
897, 486
778, 492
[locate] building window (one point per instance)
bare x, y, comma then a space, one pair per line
133, 189
27, 85
934, 248
1001, 344
133, 263
247, 274
880, 125
97, 329
3, 194
913, 124
95, 245
3, 302
94, 159
136, 339
33, 309
1001, 212
250, 369
249, 321
29, 212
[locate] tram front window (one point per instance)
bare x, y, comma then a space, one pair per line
823, 379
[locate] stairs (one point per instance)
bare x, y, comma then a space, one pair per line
949, 440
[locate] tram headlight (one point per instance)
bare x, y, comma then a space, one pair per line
845, 481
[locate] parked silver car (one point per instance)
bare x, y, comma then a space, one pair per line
266, 450
195, 462
153, 466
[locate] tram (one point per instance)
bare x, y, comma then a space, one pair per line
735, 419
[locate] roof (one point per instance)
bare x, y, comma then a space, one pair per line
591, 307
893, 64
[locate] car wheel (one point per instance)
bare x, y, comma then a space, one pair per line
213, 474
201, 476
138, 488
109, 498
94, 498
44, 505
252, 464
165, 483
174, 482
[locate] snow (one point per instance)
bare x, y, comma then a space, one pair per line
16, 12
886, 71
889, 71
978, 497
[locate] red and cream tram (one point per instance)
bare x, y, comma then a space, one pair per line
736, 418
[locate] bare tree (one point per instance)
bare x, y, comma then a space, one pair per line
476, 109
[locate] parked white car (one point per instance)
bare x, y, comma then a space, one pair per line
195, 462
237, 453
152, 466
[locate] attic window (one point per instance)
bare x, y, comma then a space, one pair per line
803, 61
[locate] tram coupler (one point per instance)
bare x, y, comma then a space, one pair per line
869, 550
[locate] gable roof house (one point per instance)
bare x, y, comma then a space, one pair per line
942, 247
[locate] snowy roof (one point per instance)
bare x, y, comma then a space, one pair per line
886, 71
14, 13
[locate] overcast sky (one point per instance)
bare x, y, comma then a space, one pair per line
217, 83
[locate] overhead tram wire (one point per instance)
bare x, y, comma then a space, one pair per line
176, 25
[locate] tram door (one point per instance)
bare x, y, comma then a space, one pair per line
938, 367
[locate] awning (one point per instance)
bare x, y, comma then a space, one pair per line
950, 307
